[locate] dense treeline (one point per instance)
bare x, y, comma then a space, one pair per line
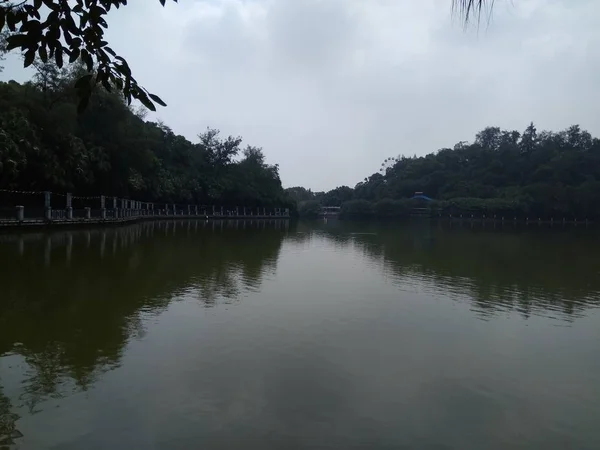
109, 149
502, 172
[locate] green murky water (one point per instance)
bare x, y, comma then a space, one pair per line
324, 336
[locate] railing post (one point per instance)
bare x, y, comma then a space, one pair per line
264, 212
237, 213
196, 209
103, 207
116, 211
174, 209
221, 210
47, 207
189, 210
88, 212
69, 208
20, 213
213, 208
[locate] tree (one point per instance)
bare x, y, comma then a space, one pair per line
503, 172
59, 30
3, 50
111, 150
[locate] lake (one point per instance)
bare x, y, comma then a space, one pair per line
274, 335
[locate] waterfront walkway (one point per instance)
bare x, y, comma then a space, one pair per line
93, 210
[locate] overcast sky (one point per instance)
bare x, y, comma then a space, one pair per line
330, 88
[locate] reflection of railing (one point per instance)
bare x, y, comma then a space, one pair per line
26, 210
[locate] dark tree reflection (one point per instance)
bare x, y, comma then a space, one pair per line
72, 300
528, 269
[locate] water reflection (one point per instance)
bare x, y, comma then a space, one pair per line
530, 270
8, 419
71, 300
340, 332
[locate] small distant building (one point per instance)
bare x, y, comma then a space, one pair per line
420, 196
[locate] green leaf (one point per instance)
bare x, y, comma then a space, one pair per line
68, 37
11, 21
37, 4
106, 85
2, 18
29, 57
17, 40
87, 59
32, 27
143, 98
157, 99
32, 11
43, 53
122, 67
74, 55
51, 4
58, 56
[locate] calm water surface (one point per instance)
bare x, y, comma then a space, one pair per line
323, 336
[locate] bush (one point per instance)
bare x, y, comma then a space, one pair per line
309, 209
392, 208
357, 209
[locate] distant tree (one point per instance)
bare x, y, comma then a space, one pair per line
46, 145
309, 209
3, 49
300, 194
357, 209
503, 172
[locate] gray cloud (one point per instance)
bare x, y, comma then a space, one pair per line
329, 88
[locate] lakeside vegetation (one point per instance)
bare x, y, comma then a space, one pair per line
110, 149
502, 172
